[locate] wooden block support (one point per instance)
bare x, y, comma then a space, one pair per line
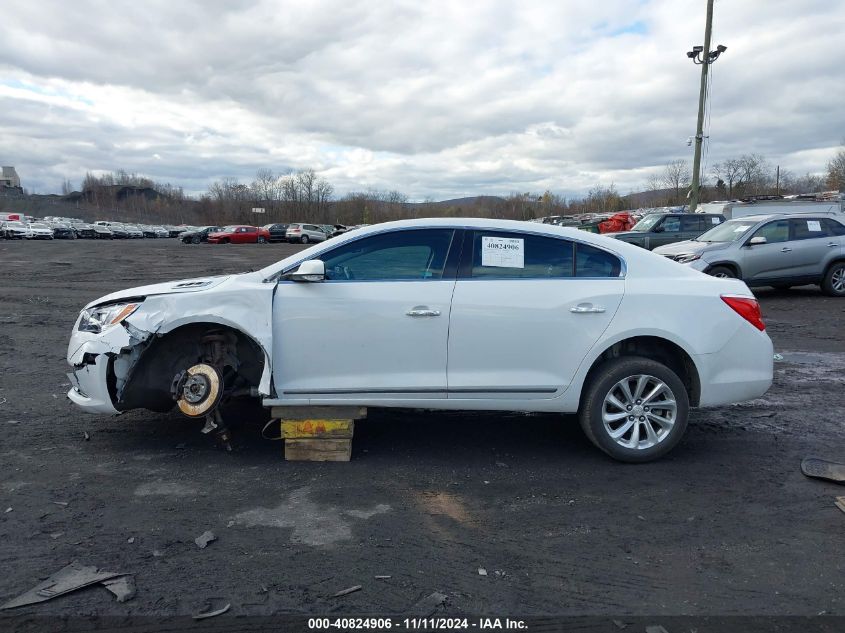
318, 434
317, 429
321, 450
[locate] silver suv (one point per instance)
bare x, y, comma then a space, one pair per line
305, 233
770, 250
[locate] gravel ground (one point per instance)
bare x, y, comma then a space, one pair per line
726, 525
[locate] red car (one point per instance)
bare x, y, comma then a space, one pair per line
240, 234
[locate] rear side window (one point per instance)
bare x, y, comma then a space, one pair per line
808, 229
594, 262
396, 256
500, 255
834, 227
691, 223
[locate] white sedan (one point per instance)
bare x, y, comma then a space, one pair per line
467, 314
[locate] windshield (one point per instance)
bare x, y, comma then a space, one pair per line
230, 229
647, 222
15, 225
38, 225
727, 231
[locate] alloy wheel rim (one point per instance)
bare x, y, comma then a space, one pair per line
838, 280
639, 412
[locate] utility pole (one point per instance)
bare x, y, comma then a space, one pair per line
702, 55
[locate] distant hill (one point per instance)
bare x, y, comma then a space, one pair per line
469, 201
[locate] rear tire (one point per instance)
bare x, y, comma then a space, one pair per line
640, 428
833, 283
722, 271
304, 239
195, 240
261, 239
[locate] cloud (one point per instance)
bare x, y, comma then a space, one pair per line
434, 99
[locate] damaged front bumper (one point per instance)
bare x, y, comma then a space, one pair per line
93, 356
89, 386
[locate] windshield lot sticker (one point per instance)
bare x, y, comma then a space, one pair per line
814, 225
742, 228
503, 252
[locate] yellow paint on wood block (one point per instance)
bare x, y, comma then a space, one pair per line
300, 429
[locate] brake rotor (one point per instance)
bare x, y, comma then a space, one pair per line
199, 391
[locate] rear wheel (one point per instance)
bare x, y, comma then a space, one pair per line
833, 283
261, 239
195, 239
722, 271
634, 409
304, 239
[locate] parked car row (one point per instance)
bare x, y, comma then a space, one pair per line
296, 232
72, 229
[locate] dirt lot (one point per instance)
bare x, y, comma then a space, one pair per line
726, 525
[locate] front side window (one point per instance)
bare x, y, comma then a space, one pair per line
520, 256
774, 232
395, 256
834, 227
672, 224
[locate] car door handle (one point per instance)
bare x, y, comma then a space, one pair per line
422, 311
832, 244
786, 249
586, 308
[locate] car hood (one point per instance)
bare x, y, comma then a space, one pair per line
169, 287
627, 234
691, 247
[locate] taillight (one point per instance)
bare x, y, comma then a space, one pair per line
747, 308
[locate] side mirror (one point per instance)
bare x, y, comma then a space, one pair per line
311, 270
757, 240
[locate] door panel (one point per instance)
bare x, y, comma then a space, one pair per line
528, 335
378, 324
358, 336
810, 242
768, 261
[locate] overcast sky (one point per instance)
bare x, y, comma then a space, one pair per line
434, 99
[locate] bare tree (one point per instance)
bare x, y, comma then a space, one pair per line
677, 176
730, 172
836, 171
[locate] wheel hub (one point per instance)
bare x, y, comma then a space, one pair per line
199, 390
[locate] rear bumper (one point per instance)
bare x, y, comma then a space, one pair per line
742, 370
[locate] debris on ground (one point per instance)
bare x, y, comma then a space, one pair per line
383, 577
823, 469
204, 539
482, 571
344, 592
123, 587
840, 503
428, 605
778, 358
9, 509
655, 628
85, 436
210, 613
130, 540
60, 503
620, 624
74, 576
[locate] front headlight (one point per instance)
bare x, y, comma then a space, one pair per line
686, 259
99, 318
